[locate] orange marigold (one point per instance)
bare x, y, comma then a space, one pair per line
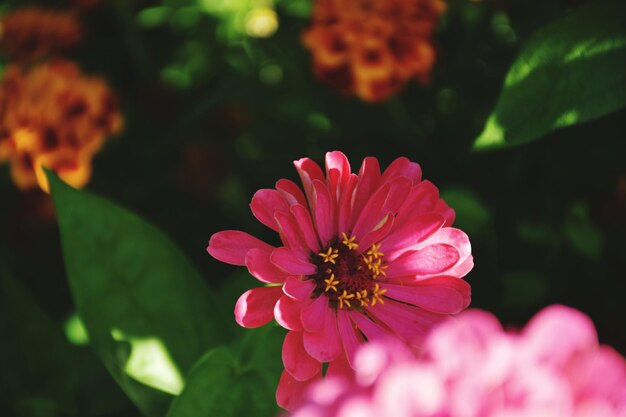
54, 116
30, 33
371, 48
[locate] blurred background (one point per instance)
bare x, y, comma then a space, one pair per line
219, 97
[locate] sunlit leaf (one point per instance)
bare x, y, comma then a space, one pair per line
148, 312
227, 385
75, 330
569, 72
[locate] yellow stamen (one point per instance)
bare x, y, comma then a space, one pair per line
362, 297
329, 255
374, 251
381, 270
349, 242
343, 299
377, 294
331, 283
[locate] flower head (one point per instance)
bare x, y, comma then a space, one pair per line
364, 257
53, 116
472, 368
30, 33
372, 48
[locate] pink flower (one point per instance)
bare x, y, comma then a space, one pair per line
365, 256
472, 368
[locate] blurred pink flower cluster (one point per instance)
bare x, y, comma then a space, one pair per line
471, 367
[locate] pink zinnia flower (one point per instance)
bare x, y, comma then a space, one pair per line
472, 368
365, 256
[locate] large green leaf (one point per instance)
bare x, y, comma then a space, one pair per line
147, 311
225, 385
569, 72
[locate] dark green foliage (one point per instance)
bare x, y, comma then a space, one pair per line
569, 72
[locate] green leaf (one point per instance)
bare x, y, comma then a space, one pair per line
582, 235
569, 72
224, 385
147, 311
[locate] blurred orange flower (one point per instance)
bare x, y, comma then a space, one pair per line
54, 116
371, 48
30, 33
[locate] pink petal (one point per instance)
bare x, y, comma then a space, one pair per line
416, 389
298, 289
324, 345
345, 204
297, 361
369, 179
255, 307
371, 330
434, 259
303, 218
287, 313
350, 338
265, 203
309, 171
400, 188
291, 234
292, 193
380, 231
422, 198
598, 374
557, 332
324, 213
414, 231
410, 323
449, 214
462, 268
312, 315
337, 160
340, 368
260, 266
372, 213
443, 295
460, 344
285, 259
332, 184
449, 236
289, 391
231, 246
403, 167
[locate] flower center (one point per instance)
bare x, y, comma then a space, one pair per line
348, 277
